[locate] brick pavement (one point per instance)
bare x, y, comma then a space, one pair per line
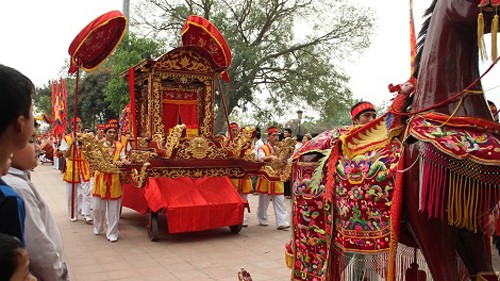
208, 255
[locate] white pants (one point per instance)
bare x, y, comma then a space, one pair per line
56, 163
82, 198
244, 197
280, 211
109, 209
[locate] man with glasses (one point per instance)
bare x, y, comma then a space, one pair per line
271, 190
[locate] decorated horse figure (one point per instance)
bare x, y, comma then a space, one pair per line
458, 171
353, 186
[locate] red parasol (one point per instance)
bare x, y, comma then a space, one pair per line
96, 41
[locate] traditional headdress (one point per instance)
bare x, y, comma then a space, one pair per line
72, 121
364, 106
100, 126
234, 126
112, 124
272, 130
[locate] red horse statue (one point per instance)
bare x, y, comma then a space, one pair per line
431, 184
448, 64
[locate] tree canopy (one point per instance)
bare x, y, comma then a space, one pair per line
286, 53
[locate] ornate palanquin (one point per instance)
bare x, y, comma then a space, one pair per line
172, 104
174, 98
182, 165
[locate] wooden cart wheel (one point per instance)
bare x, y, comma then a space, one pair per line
153, 226
236, 228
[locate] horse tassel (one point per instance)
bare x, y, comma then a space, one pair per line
494, 32
480, 39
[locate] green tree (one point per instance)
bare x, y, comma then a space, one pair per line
42, 100
131, 51
289, 50
93, 108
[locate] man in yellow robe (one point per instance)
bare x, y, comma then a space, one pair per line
78, 190
271, 190
108, 189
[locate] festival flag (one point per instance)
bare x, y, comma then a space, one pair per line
53, 96
64, 96
59, 107
413, 41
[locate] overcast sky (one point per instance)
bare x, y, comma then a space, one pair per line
35, 36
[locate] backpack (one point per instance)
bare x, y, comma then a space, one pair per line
12, 212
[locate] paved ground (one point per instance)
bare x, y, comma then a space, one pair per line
209, 255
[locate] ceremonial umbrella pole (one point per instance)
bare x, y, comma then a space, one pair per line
88, 50
72, 147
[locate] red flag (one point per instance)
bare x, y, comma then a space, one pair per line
64, 98
59, 107
53, 95
413, 41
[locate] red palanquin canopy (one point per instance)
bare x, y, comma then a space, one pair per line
200, 32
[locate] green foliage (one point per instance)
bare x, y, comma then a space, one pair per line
42, 100
285, 53
93, 108
131, 51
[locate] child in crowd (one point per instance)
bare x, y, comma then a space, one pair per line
42, 236
16, 127
14, 260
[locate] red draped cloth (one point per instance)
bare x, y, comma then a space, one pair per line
180, 106
134, 199
195, 204
190, 204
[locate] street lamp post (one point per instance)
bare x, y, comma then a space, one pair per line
299, 116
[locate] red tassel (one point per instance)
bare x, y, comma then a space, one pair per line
443, 201
425, 185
